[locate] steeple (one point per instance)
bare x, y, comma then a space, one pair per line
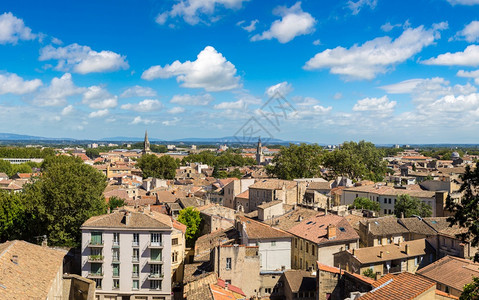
146, 144
259, 153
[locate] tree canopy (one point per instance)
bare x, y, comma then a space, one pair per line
222, 160
297, 161
466, 211
190, 216
408, 206
163, 167
471, 290
365, 203
115, 202
23, 152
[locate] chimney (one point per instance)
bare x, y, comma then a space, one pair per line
407, 249
331, 232
15, 259
300, 218
353, 251
127, 218
369, 226
380, 254
109, 211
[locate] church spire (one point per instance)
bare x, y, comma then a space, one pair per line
146, 144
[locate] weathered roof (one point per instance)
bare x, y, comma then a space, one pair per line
318, 186
335, 270
370, 255
32, 275
384, 226
243, 195
269, 204
451, 271
315, 229
391, 191
273, 184
118, 219
418, 226
293, 218
257, 230
404, 286
300, 280
205, 243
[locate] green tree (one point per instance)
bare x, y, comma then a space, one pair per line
365, 203
408, 206
163, 167
6, 167
63, 198
190, 216
235, 173
369, 273
297, 161
115, 202
466, 211
12, 216
471, 290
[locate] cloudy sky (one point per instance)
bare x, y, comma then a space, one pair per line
317, 71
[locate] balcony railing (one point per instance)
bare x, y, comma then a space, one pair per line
157, 260
135, 274
115, 244
95, 274
115, 259
116, 274
135, 244
155, 276
95, 258
95, 243
135, 258
155, 245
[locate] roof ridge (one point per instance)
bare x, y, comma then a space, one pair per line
8, 248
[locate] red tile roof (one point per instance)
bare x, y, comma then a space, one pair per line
335, 270
258, 230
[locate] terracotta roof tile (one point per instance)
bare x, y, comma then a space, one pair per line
117, 220
390, 252
273, 184
258, 230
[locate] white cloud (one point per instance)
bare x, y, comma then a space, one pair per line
463, 2
470, 32
192, 10
13, 84
195, 100
281, 89
469, 57
294, 22
388, 26
176, 110
373, 57
138, 91
251, 27
12, 29
356, 7
83, 60
469, 74
99, 113
307, 108
210, 71
239, 104
171, 122
317, 42
143, 106
140, 120
381, 105
338, 96
57, 92
68, 110
98, 98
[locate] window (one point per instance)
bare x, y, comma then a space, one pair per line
136, 269
98, 283
267, 290
379, 241
116, 283
312, 249
307, 247
174, 257
300, 263
155, 270
116, 270
389, 201
116, 239
301, 245
95, 253
155, 239
385, 211
136, 284
116, 254
346, 247
385, 200
273, 243
228, 263
174, 241
96, 238
295, 242
155, 254
95, 269
136, 255
155, 284
136, 239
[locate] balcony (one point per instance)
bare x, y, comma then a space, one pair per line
135, 244
116, 274
135, 259
135, 274
115, 244
155, 276
95, 243
95, 258
155, 261
155, 245
95, 274
115, 259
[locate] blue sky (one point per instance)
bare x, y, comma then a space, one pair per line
317, 71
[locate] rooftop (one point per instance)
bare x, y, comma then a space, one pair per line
258, 230
273, 184
300, 280
127, 219
388, 252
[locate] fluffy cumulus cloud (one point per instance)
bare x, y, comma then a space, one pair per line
138, 91
356, 7
97, 97
83, 60
294, 22
470, 32
468, 57
210, 71
380, 105
13, 29
192, 11
57, 92
176, 110
469, 74
239, 105
193, 100
140, 120
14, 84
281, 89
67, 110
463, 2
143, 106
99, 113
376, 56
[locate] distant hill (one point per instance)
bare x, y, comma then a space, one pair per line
233, 140
21, 137
129, 139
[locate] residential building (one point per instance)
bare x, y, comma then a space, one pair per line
382, 231
386, 259
268, 190
128, 255
215, 217
318, 238
233, 188
270, 210
295, 284
274, 245
448, 242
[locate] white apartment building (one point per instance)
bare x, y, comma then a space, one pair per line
128, 255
